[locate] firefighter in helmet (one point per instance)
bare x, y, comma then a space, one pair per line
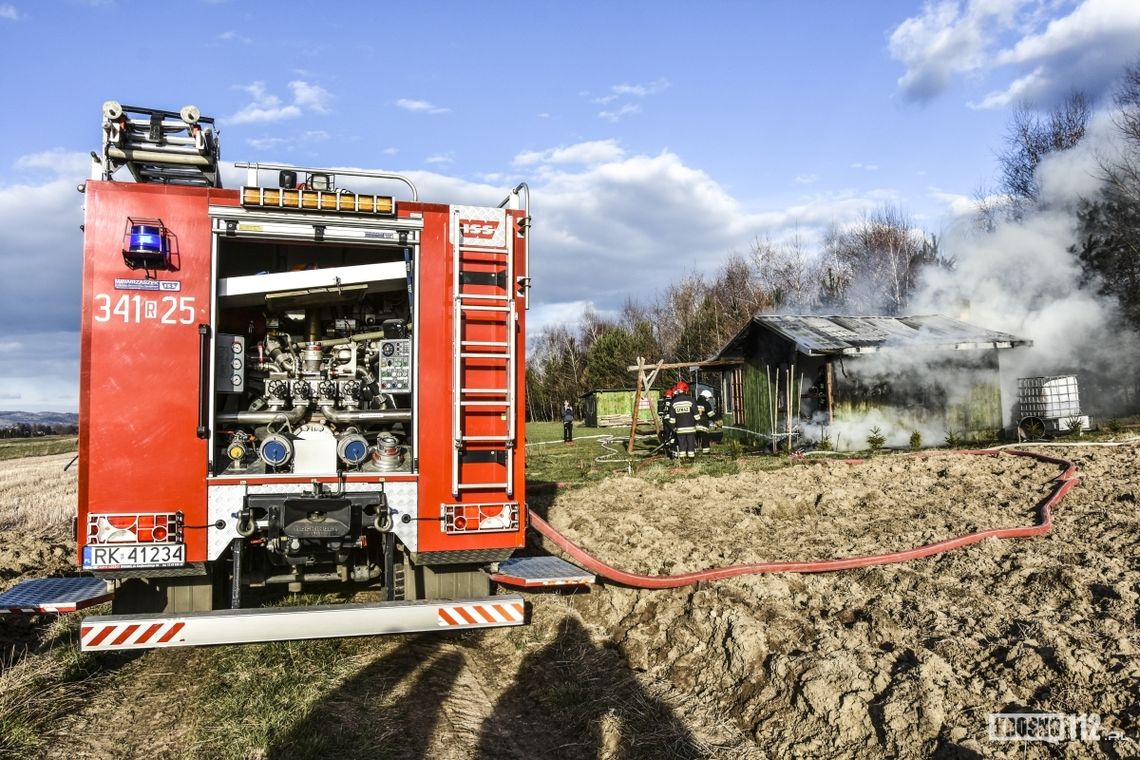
683, 418
704, 419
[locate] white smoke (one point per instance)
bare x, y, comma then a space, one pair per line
1022, 278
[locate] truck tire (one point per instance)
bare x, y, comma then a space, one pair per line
195, 593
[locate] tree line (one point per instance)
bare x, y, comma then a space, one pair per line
27, 430
874, 266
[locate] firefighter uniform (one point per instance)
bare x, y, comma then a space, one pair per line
704, 420
683, 418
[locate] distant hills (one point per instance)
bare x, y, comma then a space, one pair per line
11, 419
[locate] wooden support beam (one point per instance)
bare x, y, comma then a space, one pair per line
636, 404
683, 365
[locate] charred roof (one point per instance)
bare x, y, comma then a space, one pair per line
835, 335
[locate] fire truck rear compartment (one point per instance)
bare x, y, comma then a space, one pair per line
314, 362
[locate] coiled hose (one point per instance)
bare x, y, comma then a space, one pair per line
1062, 485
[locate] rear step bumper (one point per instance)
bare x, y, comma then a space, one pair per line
116, 632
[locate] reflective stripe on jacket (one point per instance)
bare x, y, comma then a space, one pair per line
684, 414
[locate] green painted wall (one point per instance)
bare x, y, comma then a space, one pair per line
757, 411
621, 402
979, 414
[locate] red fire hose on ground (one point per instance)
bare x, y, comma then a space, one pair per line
1062, 485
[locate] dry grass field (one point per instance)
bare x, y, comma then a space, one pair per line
898, 661
37, 493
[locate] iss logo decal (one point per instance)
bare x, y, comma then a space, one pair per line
482, 229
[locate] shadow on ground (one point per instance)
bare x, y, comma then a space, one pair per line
575, 699
569, 699
390, 708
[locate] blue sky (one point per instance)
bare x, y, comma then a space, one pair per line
656, 137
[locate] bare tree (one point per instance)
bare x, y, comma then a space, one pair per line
876, 265
676, 311
788, 274
1032, 137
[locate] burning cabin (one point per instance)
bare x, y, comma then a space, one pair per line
838, 377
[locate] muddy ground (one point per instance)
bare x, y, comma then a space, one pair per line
903, 661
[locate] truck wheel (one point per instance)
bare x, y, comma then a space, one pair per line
167, 595
453, 581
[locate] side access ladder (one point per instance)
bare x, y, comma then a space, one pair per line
485, 352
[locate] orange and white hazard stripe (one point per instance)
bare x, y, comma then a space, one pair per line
106, 636
477, 615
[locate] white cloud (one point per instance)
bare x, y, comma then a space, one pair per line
543, 317
945, 41
40, 253
391, 151
420, 106
865, 167
9, 346
544, 115
60, 162
232, 36
641, 90
9, 12
627, 91
1092, 22
265, 107
590, 152
311, 97
1042, 55
647, 220
806, 179
962, 206
621, 113
439, 158
266, 143
288, 143
43, 373
1085, 51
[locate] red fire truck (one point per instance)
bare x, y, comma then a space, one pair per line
315, 378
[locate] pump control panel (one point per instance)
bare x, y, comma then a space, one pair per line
229, 364
396, 366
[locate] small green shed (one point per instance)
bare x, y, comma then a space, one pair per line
613, 407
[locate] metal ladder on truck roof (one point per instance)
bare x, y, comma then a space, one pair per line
484, 372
